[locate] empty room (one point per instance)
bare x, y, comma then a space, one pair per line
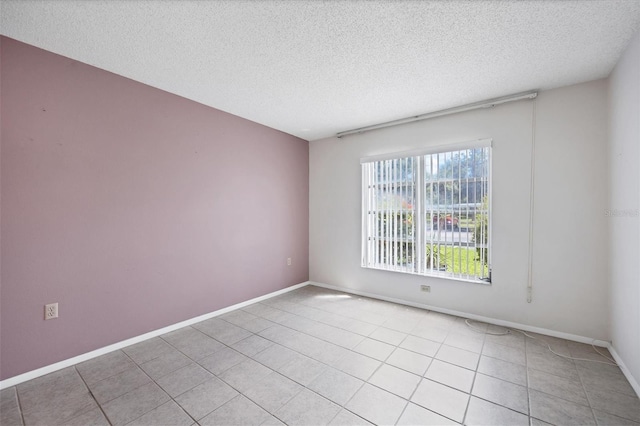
319, 212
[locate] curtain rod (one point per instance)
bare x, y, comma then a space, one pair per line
468, 107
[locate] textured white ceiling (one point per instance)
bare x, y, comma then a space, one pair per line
314, 68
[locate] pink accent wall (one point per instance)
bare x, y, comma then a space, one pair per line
133, 208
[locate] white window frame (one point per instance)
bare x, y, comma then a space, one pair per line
417, 237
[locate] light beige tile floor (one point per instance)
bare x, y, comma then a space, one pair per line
314, 357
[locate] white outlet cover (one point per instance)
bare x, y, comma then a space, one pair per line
51, 311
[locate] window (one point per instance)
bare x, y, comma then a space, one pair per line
428, 212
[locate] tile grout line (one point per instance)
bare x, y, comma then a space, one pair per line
419, 382
586, 394
526, 367
366, 381
225, 346
138, 387
351, 350
332, 313
526, 376
279, 373
152, 380
450, 329
20, 406
143, 372
473, 382
288, 400
507, 381
92, 395
424, 377
195, 386
529, 369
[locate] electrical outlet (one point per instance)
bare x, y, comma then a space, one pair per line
425, 288
288, 261
51, 311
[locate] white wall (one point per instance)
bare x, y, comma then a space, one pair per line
570, 242
624, 182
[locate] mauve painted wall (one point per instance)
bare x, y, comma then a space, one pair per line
133, 208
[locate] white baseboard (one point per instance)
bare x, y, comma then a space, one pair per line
567, 336
576, 338
632, 381
12, 381
508, 324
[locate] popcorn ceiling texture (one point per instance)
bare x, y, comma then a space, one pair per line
313, 69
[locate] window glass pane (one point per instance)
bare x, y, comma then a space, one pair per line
445, 230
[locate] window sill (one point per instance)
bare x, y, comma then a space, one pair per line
443, 275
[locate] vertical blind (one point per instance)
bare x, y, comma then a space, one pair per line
428, 213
